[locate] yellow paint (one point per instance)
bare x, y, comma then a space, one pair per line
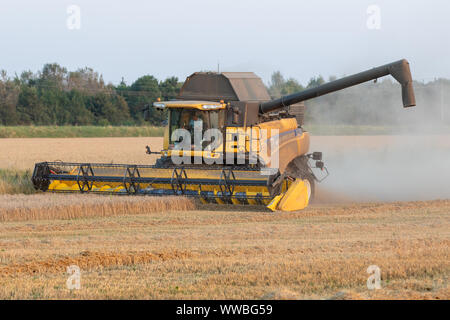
249, 195
218, 199
202, 200
118, 189
274, 203
75, 187
166, 138
235, 201
62, 186
105, 188
296, 197
53, 185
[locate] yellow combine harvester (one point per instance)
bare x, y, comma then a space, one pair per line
225, 142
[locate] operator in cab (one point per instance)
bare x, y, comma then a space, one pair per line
196, 122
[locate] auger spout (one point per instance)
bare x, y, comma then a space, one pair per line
399, 70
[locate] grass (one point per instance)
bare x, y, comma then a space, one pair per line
151, 131
322, 252
13, 181
79, 131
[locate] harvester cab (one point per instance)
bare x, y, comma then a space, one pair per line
225, 141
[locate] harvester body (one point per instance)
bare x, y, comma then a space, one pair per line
225, 141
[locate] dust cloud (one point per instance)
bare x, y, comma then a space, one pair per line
411, 162
384, 168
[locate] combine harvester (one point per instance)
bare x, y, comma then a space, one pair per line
256, 149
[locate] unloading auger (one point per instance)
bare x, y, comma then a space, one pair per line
225, 141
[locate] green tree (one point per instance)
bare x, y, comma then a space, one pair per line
291, 86
80, 115
280, 87
276, 84
29, 107
9, 94
170, 88
315, 82
144, 91
52, 76
109, 110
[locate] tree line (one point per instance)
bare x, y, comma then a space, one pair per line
56, 96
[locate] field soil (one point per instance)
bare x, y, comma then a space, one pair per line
184, 250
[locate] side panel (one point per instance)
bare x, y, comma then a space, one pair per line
292, 141
291, 148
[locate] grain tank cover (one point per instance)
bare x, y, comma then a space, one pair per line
227, 86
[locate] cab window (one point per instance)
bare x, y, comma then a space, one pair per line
182, 118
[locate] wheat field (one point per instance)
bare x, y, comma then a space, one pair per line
176, 248
322, 252
23, 153
75, 206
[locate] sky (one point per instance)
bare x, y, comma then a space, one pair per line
164, 38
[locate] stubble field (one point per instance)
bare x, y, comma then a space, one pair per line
174, 248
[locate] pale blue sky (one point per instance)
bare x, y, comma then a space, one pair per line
164, 38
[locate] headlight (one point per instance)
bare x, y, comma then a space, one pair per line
210, 106
159, 105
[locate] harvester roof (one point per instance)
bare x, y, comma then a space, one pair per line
227, 86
